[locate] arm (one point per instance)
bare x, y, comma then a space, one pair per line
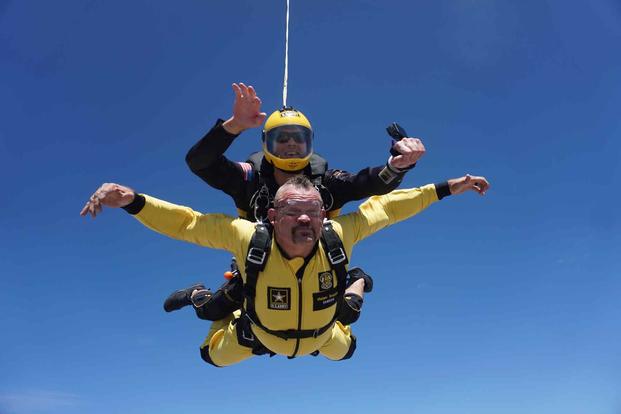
346, 187
382, 211
211, 230
217, 231
206, 158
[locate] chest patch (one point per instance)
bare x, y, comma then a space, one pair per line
278, 298
324, 299
326, 280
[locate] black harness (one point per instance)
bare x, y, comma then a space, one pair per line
263, 199
258, 253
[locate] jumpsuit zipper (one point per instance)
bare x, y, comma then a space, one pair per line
297, 340
300, 275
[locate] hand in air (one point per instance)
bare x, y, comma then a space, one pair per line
410, 150
468, 183
110, 195
246, 110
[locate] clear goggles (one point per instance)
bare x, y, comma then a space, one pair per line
294, 208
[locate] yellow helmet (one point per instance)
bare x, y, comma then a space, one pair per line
288, 140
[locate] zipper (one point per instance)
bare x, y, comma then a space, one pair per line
297, 340
300, 275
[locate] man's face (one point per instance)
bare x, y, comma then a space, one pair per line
290, 144
297, 217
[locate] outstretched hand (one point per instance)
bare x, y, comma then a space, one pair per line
246, 110
410, 150
110, 195
468, 183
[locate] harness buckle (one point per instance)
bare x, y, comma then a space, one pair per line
251, 338
256, 256
337, 256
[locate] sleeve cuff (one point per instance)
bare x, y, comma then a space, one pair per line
399, 170
443, 190
135, 206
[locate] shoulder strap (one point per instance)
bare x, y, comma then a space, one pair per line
318, 164
336, 255
255, 160
258, 253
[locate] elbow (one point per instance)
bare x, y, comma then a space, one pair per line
194, 163
189, 160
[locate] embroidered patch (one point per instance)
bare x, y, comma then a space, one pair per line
324, 299
326, 280
279, 298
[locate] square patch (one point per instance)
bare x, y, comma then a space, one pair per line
278, 298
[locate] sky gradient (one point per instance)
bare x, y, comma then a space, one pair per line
507, 303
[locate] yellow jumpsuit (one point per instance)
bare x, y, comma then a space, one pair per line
282, 301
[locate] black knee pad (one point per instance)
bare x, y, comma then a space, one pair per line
227, 299
206, 357
350, 309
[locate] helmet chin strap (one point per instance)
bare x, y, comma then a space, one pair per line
300, 171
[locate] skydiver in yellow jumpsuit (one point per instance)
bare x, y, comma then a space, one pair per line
289, 296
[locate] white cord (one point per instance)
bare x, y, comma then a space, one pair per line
284, 89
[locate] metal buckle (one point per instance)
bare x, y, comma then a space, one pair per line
251, 338
256, 255
337, 256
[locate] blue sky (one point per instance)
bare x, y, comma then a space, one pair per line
502, 304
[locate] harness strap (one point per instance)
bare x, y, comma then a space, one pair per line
338, 260
262, 200
258, 252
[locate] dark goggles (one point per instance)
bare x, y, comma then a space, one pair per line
286, 136
284, 133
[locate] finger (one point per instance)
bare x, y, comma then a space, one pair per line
261, 117
244, 90
256, 103
237, 91
402, 147
251, 92
84, 211
484, 185
91, 209
419, 145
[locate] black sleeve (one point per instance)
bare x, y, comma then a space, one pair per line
206, 160
346, 187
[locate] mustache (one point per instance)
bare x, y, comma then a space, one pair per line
303, 227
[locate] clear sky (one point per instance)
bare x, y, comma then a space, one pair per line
507, 303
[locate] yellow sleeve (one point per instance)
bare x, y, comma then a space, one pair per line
382, 211
217, 231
